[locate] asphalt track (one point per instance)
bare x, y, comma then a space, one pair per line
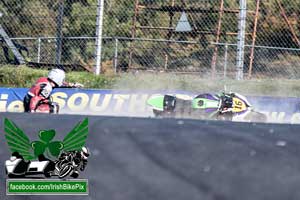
162, 159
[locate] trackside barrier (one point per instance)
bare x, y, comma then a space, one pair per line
133, 103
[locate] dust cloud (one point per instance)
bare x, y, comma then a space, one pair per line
146, 83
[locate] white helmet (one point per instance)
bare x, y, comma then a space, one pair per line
57, 76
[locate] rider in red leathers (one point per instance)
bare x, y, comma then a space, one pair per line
38, 98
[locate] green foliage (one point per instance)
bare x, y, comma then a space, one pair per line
157, 81
163, 81
118, 18
37, 18
273, 30
12, 76
23, 18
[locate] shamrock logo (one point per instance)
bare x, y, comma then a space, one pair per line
19, 142
46, 143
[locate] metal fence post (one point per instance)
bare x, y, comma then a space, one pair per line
116, 55
225, 60
39, 50
100, 9
241, 40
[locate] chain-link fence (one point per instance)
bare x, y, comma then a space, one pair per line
183, 36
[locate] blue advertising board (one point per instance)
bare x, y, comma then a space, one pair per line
133, 103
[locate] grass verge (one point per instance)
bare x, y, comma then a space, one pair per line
12, 76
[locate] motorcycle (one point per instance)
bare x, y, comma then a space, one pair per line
226, 106
68, 164
48, 105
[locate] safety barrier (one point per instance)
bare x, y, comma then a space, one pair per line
133, 103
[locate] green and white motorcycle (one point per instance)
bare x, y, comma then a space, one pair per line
224, 106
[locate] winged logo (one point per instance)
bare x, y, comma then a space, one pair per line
19, 142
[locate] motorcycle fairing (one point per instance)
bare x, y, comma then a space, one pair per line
238, 105
157, 102
203, 103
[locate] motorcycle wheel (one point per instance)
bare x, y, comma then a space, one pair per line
65, 171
